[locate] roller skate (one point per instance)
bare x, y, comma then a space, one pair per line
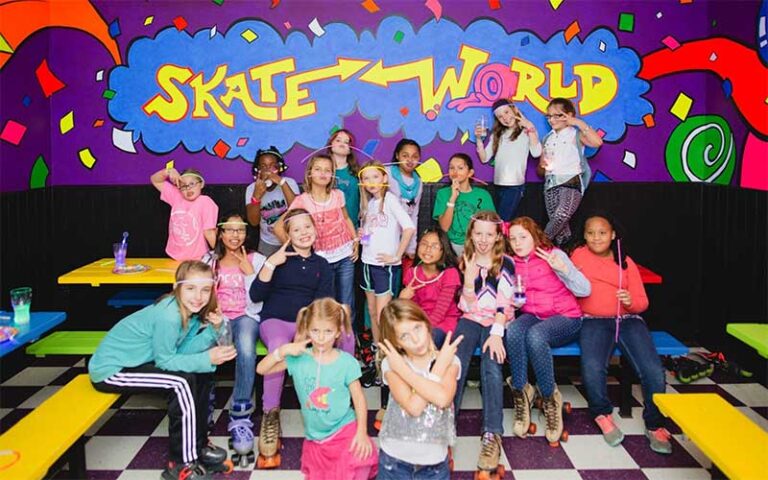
214, 459
488, 466
211, 406
688, 370
241, 433
553, 408
366, 354
523, 403
719, 362
181, 471
269, 440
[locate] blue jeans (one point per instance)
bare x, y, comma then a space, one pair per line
391, 468
635, 343
507, 199
530, 338
438, 336
245, 333
491, 379
344, 283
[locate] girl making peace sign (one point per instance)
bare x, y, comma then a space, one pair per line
513, 137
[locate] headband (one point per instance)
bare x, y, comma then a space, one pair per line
230, 223
192, 174
196, 281
298, 215
500, 103
272, 150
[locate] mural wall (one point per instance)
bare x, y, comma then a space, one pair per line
105, 92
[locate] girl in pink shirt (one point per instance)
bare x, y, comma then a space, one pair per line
434, 282
192, 225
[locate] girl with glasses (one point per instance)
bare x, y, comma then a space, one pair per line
192, 224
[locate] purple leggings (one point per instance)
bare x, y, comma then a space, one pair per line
274, 333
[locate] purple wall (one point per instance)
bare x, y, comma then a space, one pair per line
75, 56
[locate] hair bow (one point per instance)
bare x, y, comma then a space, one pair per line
505, 228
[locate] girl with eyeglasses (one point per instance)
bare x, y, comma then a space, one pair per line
235, 269
192, 224
564, 166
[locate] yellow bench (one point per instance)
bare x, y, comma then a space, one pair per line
736, 445
46, 434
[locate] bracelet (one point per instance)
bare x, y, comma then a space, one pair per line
276, 353
255, 201
450, 204
269, 265
497, 329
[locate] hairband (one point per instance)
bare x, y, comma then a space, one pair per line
367, 167
504, 225
192, 174
272, 150
201, 281
298, 215
231, 223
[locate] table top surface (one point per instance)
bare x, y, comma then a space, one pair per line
39, 324
753, 334
161, 271
737, 445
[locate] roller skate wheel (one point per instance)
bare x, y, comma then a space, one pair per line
564, 436
567, 408
554, 444
229, 466
377, 425
532, 429
230, 444
500, 471
482, 475
684, 379
267, 463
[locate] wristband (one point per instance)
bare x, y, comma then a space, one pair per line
283, 181
269, 265
255, 201
530, 130
497, 329
276, 353
450, 204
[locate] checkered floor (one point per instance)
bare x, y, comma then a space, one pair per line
130, 441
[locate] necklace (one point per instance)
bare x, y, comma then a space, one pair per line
425, 282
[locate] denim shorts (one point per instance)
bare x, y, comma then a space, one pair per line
379, 279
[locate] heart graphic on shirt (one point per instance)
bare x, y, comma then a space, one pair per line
318, 398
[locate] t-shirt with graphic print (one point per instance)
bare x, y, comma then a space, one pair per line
187, 223
323, 392
334, 240
273, 205
467, 204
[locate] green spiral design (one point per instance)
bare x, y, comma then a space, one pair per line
701, 149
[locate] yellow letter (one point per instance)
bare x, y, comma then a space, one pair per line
203, 97
598, 87
556, 87
264, 74
174, 107
238, 89
471, 58
530, 79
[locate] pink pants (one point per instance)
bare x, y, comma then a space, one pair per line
330, 459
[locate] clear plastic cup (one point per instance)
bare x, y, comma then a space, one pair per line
21, 300
120, 251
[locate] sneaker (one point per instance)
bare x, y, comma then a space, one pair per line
659, 440
611, 433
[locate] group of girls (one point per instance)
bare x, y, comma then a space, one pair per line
297, 295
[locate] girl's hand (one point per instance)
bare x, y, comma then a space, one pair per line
479, 133
409, 291
245, 266
624, 297
455, 184
294, 349
447, 352
280, 256
221, 355
554, 260
259, 188
395, 360
386, 259
471, 269
355, 252
361, 445
274, 177
495, 345
215, 318
174, 177
573, 121
524, 122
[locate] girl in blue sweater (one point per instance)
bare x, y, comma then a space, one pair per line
168, 347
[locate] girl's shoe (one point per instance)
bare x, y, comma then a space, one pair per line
611, 433
659, 440
490, 450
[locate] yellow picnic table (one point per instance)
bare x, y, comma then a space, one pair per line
736, 445
161, 271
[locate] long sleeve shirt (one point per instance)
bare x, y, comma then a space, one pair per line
490, 295
603, 274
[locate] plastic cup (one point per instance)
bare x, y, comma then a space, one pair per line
120, 251
21, 300
225, 334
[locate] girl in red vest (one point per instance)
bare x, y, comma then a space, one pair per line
546, 287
